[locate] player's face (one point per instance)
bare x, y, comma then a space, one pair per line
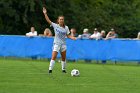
61, 20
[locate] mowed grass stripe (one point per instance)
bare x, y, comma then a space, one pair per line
31, 76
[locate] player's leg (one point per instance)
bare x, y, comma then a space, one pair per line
56, 48
63, 56
52, 62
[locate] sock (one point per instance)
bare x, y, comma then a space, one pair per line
63, 64
52, 62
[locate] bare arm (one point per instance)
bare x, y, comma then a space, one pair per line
71, 37
46, 16
108, 35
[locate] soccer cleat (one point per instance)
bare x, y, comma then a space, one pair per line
64, 71
50, 71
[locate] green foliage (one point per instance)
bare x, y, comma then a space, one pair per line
17, 17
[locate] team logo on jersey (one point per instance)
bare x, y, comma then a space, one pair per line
57, 30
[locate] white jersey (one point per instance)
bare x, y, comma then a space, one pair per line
96, 35
60, 34
32, 33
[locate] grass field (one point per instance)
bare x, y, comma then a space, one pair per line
27, 76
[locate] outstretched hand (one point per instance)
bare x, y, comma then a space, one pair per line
73, 38
44, 10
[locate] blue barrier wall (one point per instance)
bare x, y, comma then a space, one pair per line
21, 46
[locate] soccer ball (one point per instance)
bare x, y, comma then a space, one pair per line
75, 72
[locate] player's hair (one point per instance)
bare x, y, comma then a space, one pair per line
58, 19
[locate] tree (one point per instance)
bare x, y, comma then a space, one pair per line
17, 17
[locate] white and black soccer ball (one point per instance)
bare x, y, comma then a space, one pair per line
75, 72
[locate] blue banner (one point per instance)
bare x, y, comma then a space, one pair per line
117, 49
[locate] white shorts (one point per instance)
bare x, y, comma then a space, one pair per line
58, 48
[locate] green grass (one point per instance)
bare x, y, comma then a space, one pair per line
27, 76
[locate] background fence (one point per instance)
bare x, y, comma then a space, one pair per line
117, 49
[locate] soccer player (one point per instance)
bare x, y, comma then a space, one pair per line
61, 31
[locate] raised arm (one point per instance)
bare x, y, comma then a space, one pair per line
46, 16
108, 35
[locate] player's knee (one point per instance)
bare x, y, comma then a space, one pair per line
53, 58
63, 58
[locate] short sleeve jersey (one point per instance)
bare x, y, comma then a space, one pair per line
60, 33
